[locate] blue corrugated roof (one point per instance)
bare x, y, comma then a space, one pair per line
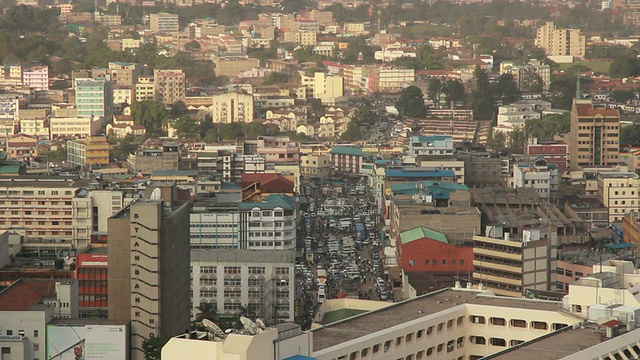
270, 202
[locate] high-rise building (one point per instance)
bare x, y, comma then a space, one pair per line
232, 107
93, 97
36, 77
595, 135
170, 85
148, 268
561, 42
164, 23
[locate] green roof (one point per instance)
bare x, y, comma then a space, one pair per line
9, 169
340, 314
345, 150
422, 232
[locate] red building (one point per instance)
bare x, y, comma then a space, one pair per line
345, 159
429, 262
91, 272
555, 153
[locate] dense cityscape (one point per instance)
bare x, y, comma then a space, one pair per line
319, 180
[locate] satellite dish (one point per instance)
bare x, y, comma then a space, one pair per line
261, 324
228, 331
249, 325
156, 194
213, 330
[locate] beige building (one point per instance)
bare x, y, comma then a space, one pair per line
232, 107
508, 265
170, 85
619, 192
145, 89
164, 23
306, 38
148, 281
74, 127
315, 166
595, 135
233, 65
327, 87
561, 42
88, 152
124, 94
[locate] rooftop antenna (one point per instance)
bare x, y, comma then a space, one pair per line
249, 326
215, 333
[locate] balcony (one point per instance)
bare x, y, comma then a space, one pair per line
502, 267
498, 279
497, 254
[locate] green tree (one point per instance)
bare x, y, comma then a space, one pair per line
178, 109
253, 129
630, 135
192, 46
622, 96
276, 78
230, 131
150, 114
317, 109
207, 311
411, 102
498, 140
454, 91
434, 89
57, 155
152, 347
505, 89
352, 133
625, 65
516, 139
186, 127
364, 115
548, 126
211, 135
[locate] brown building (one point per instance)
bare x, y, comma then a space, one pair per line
482, 171
148, 267
595, 135
170, 85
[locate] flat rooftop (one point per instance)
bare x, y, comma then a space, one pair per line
374, 321
557, 346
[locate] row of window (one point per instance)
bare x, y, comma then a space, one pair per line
31, 192
435, 262
238, 270
517, 323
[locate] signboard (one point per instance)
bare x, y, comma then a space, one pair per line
90, 342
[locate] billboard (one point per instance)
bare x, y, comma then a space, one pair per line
86, 342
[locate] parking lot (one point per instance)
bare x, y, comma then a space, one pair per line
341, 246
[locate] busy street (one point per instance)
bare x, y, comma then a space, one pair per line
341, 252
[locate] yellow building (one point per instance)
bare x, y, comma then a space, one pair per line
90, 151
619, 193
561, 42
595, 135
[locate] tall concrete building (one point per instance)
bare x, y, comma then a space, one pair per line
149, 267
232, 107
164, 23
93, 97
170, 85
595, 135
561, 42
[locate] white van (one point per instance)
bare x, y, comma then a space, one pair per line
321, 295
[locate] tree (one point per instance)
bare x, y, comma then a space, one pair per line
152, 347
516, 139
178, 109
505, 89
621, 96
352, 133
625, 65
230, 131
364, 115
186, 127
253, 129
434, 88
498, 140
207, 311
454, 91
211, 136
548, 126
411, 102
276, 78
317, 109
192, 46
150, 114
630, 135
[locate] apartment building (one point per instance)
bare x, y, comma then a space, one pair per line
88, 152
552, 152
561, 42
328, 88
431, 145
262, 280
391, 79
45, 208
170, 85
150, 160
346, 160
145, 89
33, 122
595, 135
74, 127
123, 73
93, 98
36, 77
532, 77
232, 107
148, 268
540, 175
508, 264
619, 192
21, 147
274, 149
315, 166
164, 23
123, 94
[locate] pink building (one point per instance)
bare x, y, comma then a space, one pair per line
36, 77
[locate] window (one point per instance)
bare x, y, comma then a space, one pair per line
232, 269
477, 340
420, 333
460, 320
498, 342
444, 262
450, 346
364, 352
426, 262
399, 341
460, 342
518, 323
515, 342
558, 326
430, 330
474, 319
387, 345
440, 326
375, 348
35, 333
408, 338
430, 351
497, 321
440, 347
256, 270
539, 325
36, 347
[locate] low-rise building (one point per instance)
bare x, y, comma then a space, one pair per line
88, 152
315, 166
539, 175
619, 193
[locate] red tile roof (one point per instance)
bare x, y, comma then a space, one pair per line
23, 294
588, 110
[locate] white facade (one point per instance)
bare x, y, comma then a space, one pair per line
74, 127
264, 281
431, 145
23, 333
543, 178
36, 77
232, 107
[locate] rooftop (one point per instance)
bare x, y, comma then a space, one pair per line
405, 311
556, 346
344, 150
244, 256
420, 233
22, 295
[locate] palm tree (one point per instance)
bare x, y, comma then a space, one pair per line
207, 311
